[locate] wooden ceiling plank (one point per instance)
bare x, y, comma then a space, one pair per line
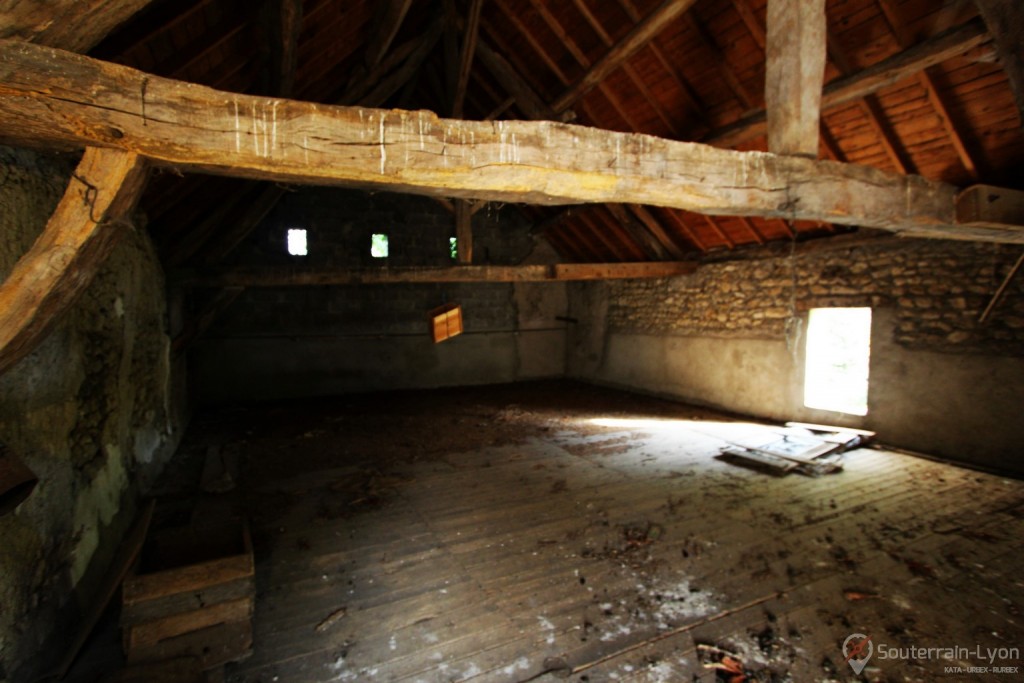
842, 91
794, 74
77, 239
50, 97
469, 41
263, 276
641, 34
362, 84
1005, 21
938, 103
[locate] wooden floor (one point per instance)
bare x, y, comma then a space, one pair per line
556, 531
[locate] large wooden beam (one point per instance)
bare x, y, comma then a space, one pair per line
61, 99
1005, 20
642, 33
905, 64
289, 277
64, 258
75, 25
794, 74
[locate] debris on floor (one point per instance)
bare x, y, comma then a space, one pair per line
802, 447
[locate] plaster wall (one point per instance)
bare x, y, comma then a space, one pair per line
93, 411
309, 341
954, 391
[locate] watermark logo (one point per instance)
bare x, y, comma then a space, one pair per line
857, 649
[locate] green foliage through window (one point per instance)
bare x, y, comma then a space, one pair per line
379, 245
453, 245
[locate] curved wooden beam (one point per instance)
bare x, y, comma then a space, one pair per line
77, 239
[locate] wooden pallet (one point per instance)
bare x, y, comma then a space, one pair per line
194, 597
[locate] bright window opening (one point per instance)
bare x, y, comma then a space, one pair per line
297, 245
379, 245
453, 246
838, 355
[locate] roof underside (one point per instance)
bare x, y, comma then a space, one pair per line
956, 121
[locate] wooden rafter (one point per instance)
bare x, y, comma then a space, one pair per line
203, 320
293, 277
871, 108
284, 22
528, 101
565, 39
61, 99
636, 80
934, 96
469, 41
658, 230
907, 63
1005, 20
82, 23
651, 246
76, 241
746, 99
640, 35
387, 21
684, 228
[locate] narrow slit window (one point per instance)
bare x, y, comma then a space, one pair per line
297, 245
838, 357
453, 247
379, 245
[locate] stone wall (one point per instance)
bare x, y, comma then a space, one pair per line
294, 341
93, 411
731, 336
938, 289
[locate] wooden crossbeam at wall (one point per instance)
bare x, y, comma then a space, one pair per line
262, 276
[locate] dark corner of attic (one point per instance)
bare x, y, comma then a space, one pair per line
511, 340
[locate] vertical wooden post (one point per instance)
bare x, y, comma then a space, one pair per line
794, 75
463, 232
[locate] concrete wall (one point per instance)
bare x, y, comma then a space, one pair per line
93, 411
306, 341
732, 336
